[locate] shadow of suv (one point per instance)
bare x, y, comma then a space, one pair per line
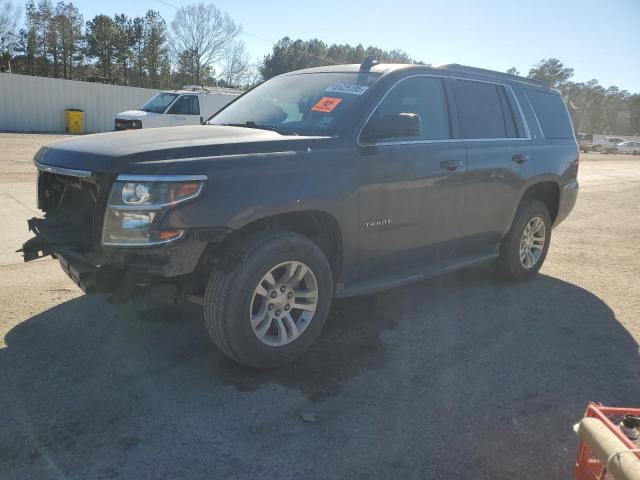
331, 181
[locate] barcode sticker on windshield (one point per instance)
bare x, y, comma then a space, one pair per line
349, 88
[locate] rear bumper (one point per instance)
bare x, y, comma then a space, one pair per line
568, 197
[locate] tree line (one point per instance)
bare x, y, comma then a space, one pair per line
593, 108
200, 46
288, 55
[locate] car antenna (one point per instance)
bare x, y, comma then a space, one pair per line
368, 62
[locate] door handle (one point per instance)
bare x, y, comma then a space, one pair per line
451, 165
520, 158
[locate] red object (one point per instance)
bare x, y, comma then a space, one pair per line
588, 467
326, 104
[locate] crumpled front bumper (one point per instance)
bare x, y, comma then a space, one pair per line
57, 238
90, 278
103, 270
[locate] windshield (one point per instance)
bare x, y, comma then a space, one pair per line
303, 104
158, 103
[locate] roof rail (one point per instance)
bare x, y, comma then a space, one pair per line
456, 67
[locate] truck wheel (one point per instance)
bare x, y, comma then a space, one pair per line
525, 247
268, 299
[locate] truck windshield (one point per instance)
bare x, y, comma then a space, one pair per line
158, 103
299, 104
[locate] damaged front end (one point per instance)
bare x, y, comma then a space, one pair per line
57, 237
107, 232
73, 202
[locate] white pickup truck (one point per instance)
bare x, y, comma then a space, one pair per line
190, 106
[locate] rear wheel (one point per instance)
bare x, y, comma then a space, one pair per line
525, 247
268, 299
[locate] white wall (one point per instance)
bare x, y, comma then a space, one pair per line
37, 104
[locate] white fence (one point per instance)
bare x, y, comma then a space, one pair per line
38, 104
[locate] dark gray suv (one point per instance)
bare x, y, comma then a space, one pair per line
322, 183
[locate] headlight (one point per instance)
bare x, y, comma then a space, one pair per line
127, 124
137, 202
135, 193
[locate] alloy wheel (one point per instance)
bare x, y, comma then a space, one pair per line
283, 303
532, 242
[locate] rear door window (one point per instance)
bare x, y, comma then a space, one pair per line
485, 110
186, 105
424, 96
551, 112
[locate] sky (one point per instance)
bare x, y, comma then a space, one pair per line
597, 38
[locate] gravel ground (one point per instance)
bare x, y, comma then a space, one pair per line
457, 377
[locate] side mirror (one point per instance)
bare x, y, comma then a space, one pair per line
397, 125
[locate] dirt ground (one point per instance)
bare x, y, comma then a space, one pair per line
457, 377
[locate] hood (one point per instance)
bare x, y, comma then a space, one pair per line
134, 115
128, 151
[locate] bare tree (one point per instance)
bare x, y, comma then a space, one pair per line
236, 65
204, 31
252, 77
9, 16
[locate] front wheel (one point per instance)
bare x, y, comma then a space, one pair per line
525, 247
268, 299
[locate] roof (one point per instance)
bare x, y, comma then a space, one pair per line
208, 90
451, 67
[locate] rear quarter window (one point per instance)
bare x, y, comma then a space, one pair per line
551, 112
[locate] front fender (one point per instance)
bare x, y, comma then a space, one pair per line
248, 188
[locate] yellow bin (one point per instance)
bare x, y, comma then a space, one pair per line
74, 120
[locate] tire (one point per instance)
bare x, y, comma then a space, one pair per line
231, 299
509, 265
